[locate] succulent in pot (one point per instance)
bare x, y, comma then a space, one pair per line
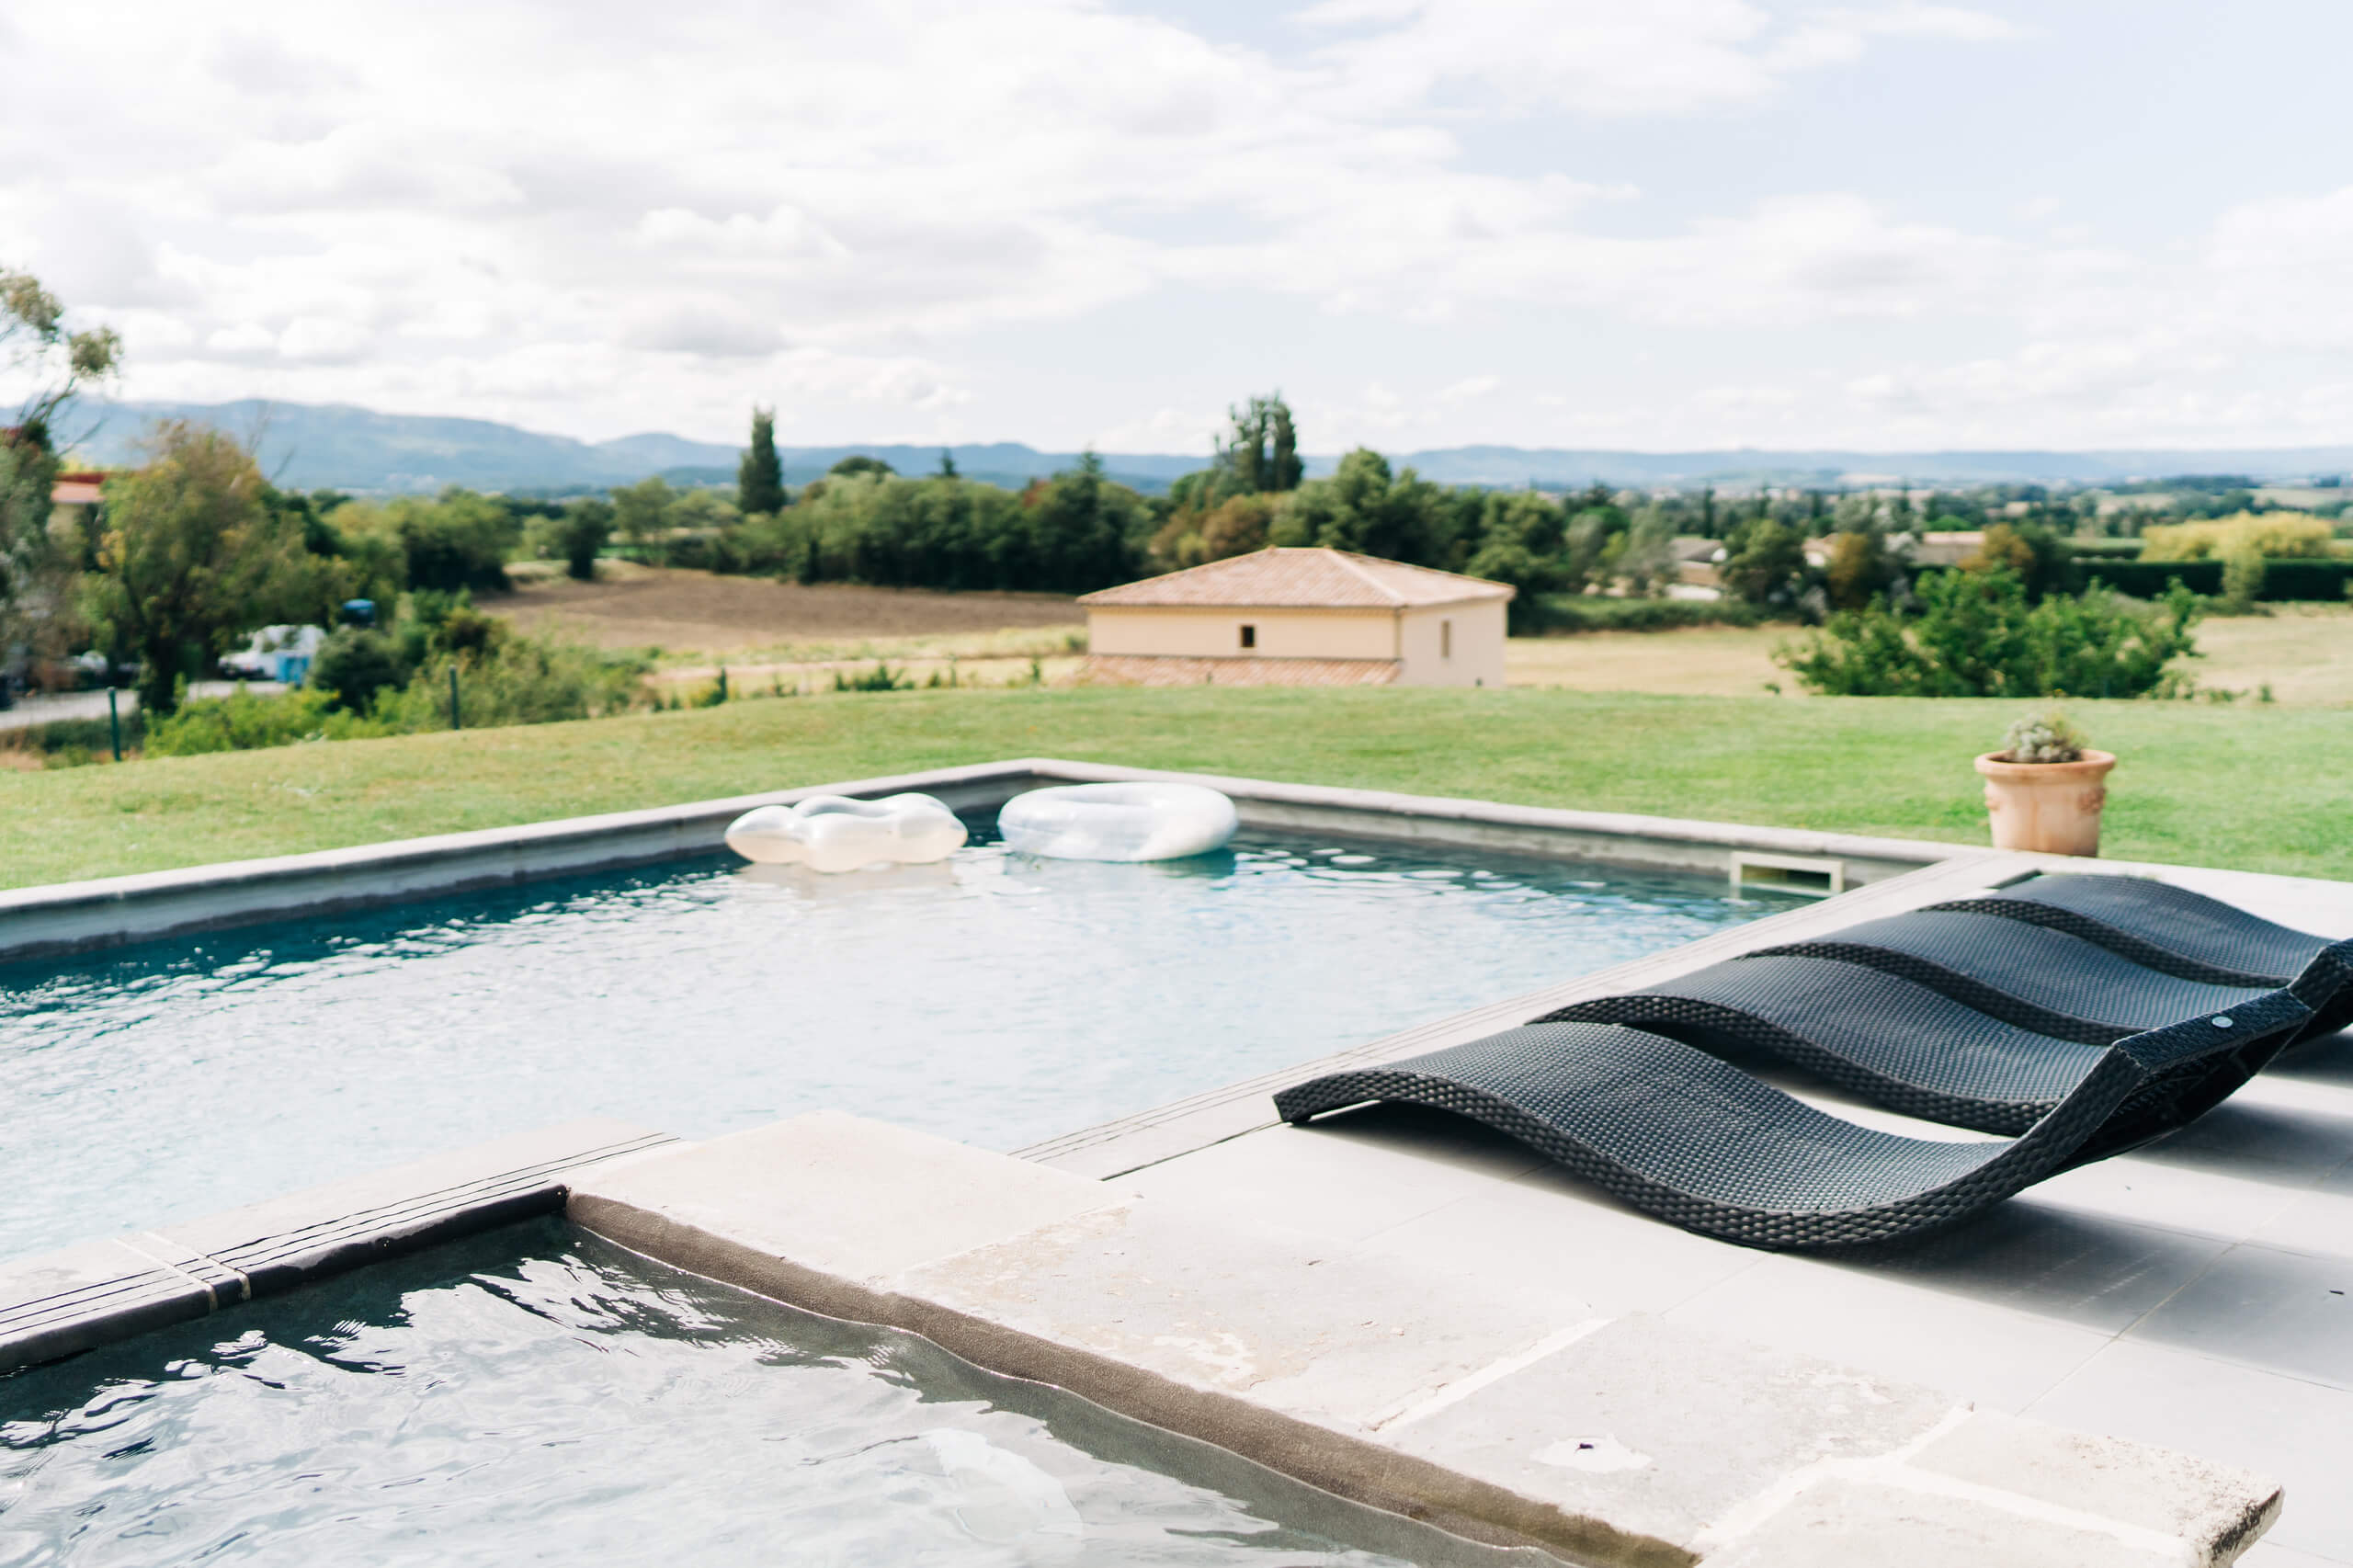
2045, 789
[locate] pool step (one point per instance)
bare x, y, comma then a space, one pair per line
55, 1304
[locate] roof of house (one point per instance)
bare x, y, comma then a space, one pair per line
1303, 579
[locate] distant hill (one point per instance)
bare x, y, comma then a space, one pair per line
336, 445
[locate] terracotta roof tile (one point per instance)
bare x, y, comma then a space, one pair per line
1290, 579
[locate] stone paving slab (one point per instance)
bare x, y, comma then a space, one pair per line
1510, 1415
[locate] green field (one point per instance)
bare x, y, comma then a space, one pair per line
2261, 788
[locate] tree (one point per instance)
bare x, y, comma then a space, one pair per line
60, 363
2043, 561
858, 463
192, 560
36, 572
580, 533
1284, 468
1366, 508
759, 478
1765, 565
1082, 529
1262, 456
642, 511
947, 465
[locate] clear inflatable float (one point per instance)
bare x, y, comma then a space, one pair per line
834, 833
1119, 822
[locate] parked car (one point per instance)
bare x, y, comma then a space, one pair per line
277, 653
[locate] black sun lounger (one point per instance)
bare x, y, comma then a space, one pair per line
2181, 933
1889, 1040
1899, 1044
1701, 1144
2030, 975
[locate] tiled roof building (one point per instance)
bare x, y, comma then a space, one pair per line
1299, 617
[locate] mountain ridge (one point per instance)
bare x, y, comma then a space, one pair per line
345, 446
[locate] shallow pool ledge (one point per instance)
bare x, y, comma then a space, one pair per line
59, 1303
1513, 1419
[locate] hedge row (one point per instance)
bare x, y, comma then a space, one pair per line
2282, 579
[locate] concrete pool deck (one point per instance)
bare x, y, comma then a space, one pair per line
1412, 1312
2119, 1365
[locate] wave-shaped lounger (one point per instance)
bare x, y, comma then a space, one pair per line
1887, 1039
1694, 1140
2178, 932
2030, 975
1899, 1044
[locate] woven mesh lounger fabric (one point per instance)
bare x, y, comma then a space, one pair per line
1893, 1041
2182, 933
2022, 973
1699, 1143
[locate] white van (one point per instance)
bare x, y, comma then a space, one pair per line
277, 653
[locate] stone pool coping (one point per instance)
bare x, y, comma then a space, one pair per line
65, 918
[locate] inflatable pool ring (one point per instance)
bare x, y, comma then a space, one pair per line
832, 833
1119, 822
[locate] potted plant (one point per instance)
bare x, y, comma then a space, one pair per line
2045, 787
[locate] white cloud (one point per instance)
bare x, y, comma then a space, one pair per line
1469, 388
604, 220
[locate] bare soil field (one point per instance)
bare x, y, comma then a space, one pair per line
646, 607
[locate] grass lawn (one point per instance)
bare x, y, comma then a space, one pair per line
2262, 788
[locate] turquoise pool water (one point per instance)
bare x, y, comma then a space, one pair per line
536, 1395
994, 998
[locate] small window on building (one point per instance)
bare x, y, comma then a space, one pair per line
1249, 637
1446, 638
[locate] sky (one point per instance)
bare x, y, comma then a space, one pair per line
1667, 226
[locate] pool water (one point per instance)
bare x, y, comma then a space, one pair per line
994, 998
539, 1396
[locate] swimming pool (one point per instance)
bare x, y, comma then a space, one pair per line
536, 1395
994, 998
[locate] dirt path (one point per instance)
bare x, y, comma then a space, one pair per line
639, 606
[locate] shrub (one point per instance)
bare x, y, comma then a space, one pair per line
2242, 573
522, 680
354, 664
1976, 635
882, 677
2279, 535
244, 722
1583, 612
2044, 736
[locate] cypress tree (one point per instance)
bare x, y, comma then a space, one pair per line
1288, 469
759, 478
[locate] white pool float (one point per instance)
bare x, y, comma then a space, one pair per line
834, 833
1119, 822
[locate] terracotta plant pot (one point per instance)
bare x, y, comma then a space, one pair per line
2050, 808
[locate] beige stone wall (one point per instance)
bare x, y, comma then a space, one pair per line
1214, 633
1460, 644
